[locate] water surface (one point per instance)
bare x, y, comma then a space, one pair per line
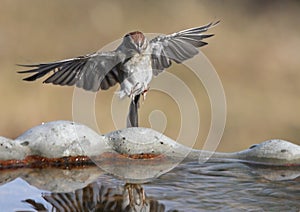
230, 186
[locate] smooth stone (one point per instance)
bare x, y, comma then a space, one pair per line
272, 151
138, 140
62, 139
65, 138
11, 150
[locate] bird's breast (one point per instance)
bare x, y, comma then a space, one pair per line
137, 74
139, 66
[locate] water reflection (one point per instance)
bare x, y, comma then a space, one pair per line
97, 197
189, 187
140, 169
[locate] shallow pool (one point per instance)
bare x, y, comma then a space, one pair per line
213, 186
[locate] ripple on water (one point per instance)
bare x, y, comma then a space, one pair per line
228, 186
189, 187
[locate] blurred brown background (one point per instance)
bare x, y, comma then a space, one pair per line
255, 52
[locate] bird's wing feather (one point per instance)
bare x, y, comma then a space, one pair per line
177, 47
91, 72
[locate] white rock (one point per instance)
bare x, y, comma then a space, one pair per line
65, 138
62, 138
11, 150
275, 150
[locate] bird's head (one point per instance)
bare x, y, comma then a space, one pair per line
135, 41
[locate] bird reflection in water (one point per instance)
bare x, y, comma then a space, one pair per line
136, 196
97, 197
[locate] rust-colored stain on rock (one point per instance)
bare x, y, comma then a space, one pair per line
35, 161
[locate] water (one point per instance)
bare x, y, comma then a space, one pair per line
230, 186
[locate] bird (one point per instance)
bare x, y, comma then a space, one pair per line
132, 64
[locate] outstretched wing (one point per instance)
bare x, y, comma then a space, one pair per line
178, 46
91, 72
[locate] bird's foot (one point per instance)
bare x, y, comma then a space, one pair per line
144, 93
134, 91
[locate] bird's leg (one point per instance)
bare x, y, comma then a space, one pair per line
132, 118
141, 191
136, 100
136, 195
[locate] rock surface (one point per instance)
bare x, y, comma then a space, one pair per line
9, 149
65, 138
138, 140
62, 139
272, 151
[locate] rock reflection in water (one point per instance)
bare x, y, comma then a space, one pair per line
96, 197
221, 186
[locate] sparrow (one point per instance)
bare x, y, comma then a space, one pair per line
132, 64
